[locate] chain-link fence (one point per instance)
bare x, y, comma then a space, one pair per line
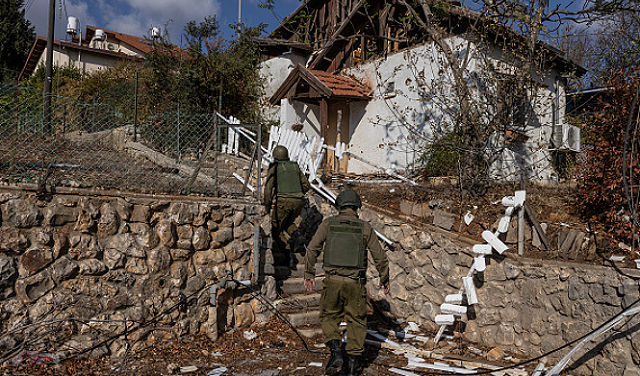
95, 145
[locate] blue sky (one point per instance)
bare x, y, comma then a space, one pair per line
136, 17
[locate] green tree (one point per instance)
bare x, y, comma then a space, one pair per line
209, 73
16, 38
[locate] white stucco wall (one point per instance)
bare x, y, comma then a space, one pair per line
389, 130
274, 71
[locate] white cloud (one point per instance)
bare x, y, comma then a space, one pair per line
135, 17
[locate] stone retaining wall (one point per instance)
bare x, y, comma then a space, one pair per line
526, 307
91, 266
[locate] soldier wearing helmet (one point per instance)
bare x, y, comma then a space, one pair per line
345, 239
287, 185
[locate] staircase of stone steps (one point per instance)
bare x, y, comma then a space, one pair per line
300, 307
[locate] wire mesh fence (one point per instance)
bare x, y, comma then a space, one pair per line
95, 145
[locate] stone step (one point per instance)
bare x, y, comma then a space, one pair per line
284, 272
304, 318
293, 286
311, 332
300, 301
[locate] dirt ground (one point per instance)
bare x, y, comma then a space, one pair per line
267, 350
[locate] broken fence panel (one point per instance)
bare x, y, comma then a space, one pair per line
444, 320
470, 290
402, 372
482, 249
439, 366
604, 328
453, 299
519, 198
503, 225
454, 309
479, 263
496, 243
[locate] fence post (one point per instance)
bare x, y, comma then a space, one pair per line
135, 110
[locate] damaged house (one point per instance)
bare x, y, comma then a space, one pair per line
375, 80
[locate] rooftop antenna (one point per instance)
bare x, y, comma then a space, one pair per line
239, 11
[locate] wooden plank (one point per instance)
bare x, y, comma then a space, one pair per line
536, 225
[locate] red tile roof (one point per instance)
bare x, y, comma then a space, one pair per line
325, 85
341, 86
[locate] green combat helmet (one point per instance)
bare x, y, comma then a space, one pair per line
348, 198
280, 153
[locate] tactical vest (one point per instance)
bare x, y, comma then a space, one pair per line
344, 246
288, 177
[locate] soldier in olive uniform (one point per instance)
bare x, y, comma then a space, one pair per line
345, 239
287, 184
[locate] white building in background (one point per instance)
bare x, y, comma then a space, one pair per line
95, 50
386, 106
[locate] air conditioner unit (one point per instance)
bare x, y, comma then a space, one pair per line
566, 137
112, 47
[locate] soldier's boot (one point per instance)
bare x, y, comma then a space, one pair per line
335, 360
352, 365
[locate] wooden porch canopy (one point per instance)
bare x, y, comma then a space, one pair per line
312, 86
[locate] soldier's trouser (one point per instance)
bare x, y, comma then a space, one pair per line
348, 300
282, 220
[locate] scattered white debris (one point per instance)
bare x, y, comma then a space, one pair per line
412, 327
217, 371
401, 372
319, 345
637, 263
616, 258
315, 364
624, 246
218, 353
564, 224
539, 368
188, 369
508, 201
477, 351
392, 190
300, 368
442, 367
468, 218
250, 334
382, 338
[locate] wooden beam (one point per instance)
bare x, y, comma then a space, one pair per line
536, 225
335, 35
